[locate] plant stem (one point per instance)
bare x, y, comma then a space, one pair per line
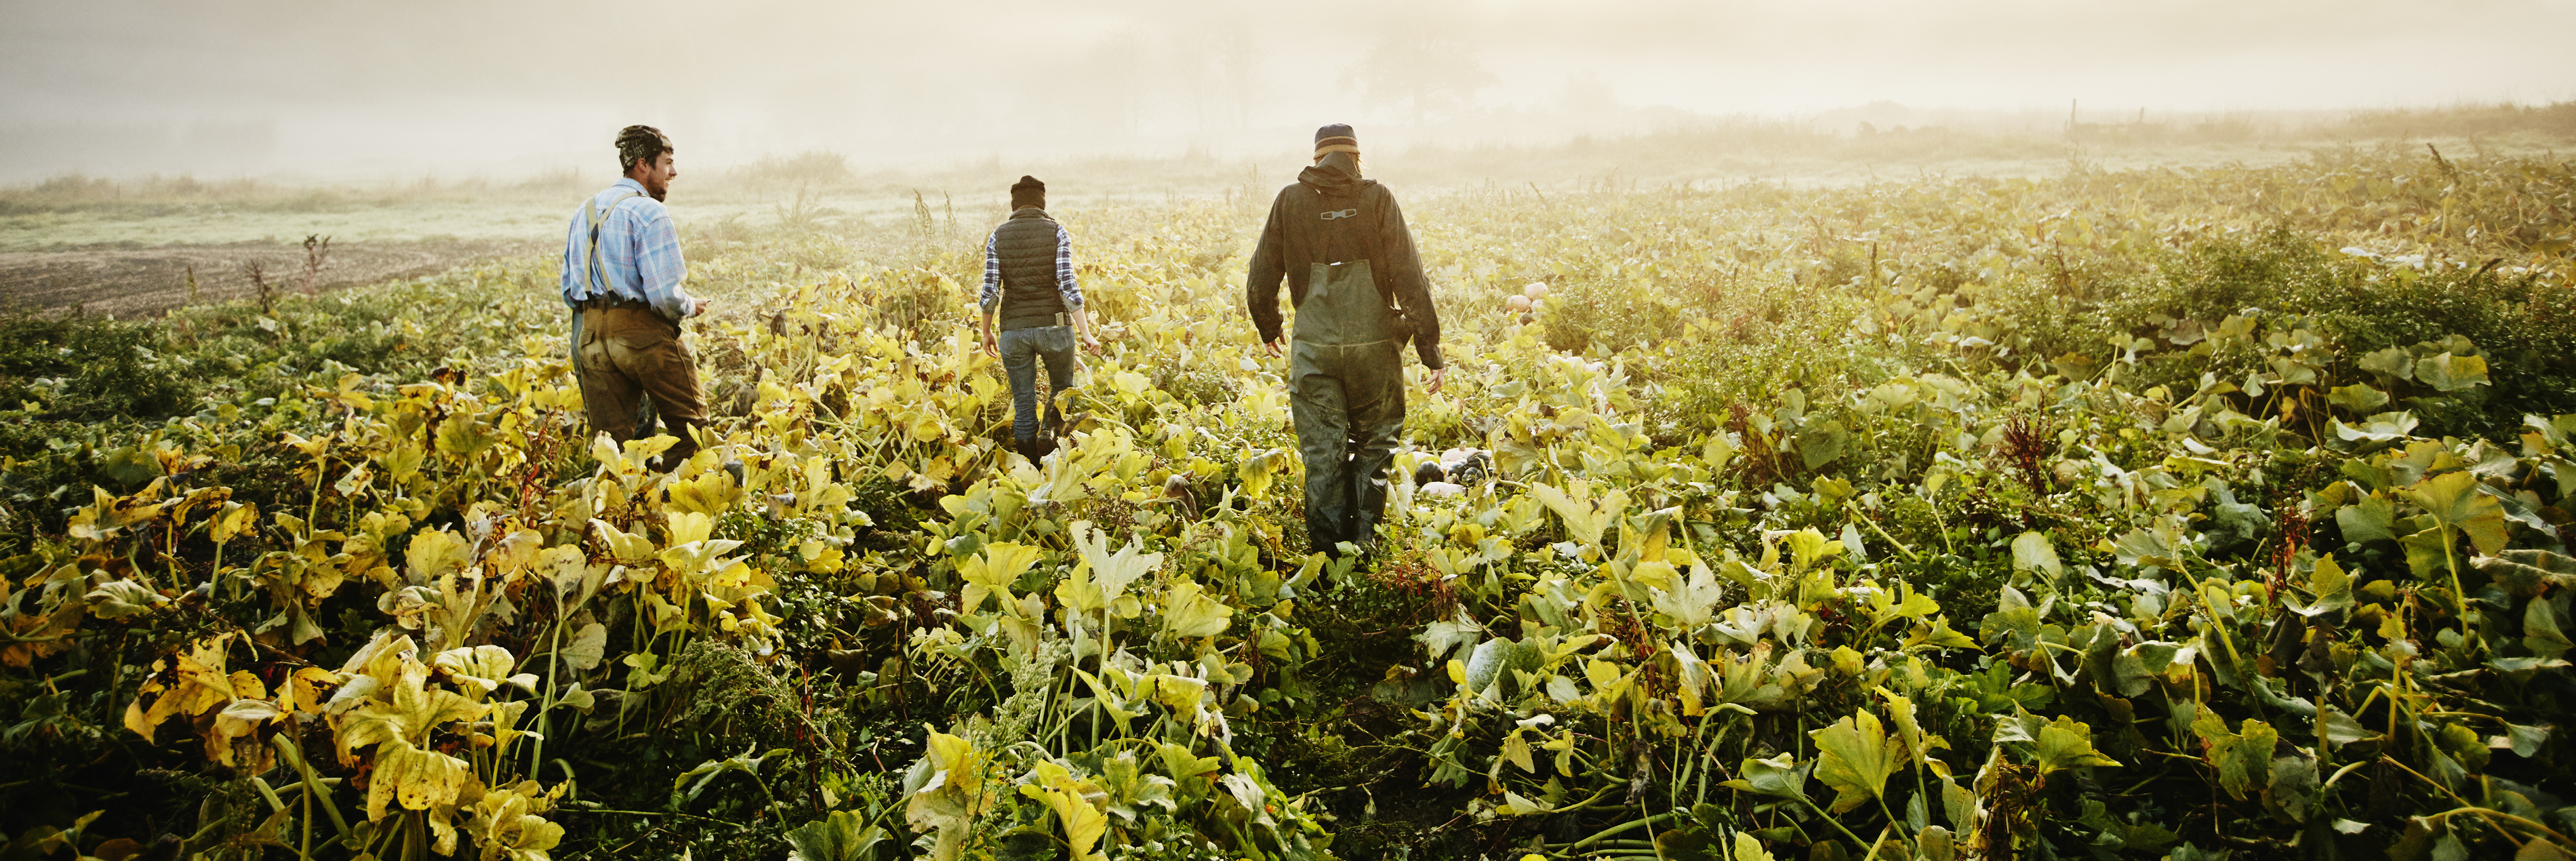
545, 714
1830, 820
294, 756
1618, 829
2459, 596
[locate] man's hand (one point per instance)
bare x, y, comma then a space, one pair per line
1272, 346
991, 349
1090, 344
1437, 375
697, 306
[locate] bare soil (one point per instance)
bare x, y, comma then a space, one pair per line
129, 281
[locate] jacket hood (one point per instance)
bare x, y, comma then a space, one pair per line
1334, 181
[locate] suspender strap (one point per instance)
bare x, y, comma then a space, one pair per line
599, 215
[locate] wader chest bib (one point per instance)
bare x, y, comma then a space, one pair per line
1343, 307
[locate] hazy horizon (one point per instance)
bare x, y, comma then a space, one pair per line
334, 90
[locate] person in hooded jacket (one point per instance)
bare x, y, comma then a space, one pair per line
1341, 244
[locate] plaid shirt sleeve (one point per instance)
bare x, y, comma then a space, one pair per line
573, 266
992, 295
1064, 269
659, 268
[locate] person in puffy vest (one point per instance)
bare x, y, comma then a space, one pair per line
1029, 287
1342, 245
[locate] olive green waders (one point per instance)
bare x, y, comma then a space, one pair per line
1346, 392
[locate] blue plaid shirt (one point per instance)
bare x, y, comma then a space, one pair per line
639, 252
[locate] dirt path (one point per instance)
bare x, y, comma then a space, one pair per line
130, 282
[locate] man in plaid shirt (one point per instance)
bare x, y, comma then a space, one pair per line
621, 276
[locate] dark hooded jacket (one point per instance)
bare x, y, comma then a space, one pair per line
1298, 236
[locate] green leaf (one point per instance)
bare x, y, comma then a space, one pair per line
841, 836
1905, 604
1103, 576
2242, 757
1809, 547
1938, 634
1855, 758
1257, 471
2337, 728
2331, 587
2031, 552
1189, 612
2014, 620
2524, 741
2541, 632
589, 646
2451, 373
1192, 773
2359, 398
1778, 777
2526, 572
2424, 551
2395, 363
1487, 662
628, 547
1823, 444
2161, 546
2068, 743
2368, 519
117, 599
2453, 500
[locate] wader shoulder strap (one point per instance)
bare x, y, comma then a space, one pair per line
591, 255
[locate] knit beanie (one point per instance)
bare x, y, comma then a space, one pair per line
1335, 138
1028, 192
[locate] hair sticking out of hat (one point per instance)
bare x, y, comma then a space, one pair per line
1028, 192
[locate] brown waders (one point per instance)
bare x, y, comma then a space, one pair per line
629, 352
1346, 392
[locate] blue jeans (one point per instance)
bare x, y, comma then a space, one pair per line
1021, 350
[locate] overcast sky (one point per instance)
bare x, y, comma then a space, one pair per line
465, 87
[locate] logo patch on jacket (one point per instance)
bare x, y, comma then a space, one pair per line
1347, 213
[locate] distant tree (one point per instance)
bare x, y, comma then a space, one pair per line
1426, 72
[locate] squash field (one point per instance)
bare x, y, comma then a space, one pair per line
2124, 514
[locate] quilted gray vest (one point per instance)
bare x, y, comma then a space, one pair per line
1026, 245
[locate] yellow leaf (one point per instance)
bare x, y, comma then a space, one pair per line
686, 527
992, 572
1856, 757
1189, 612
1083, 824
247, 684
